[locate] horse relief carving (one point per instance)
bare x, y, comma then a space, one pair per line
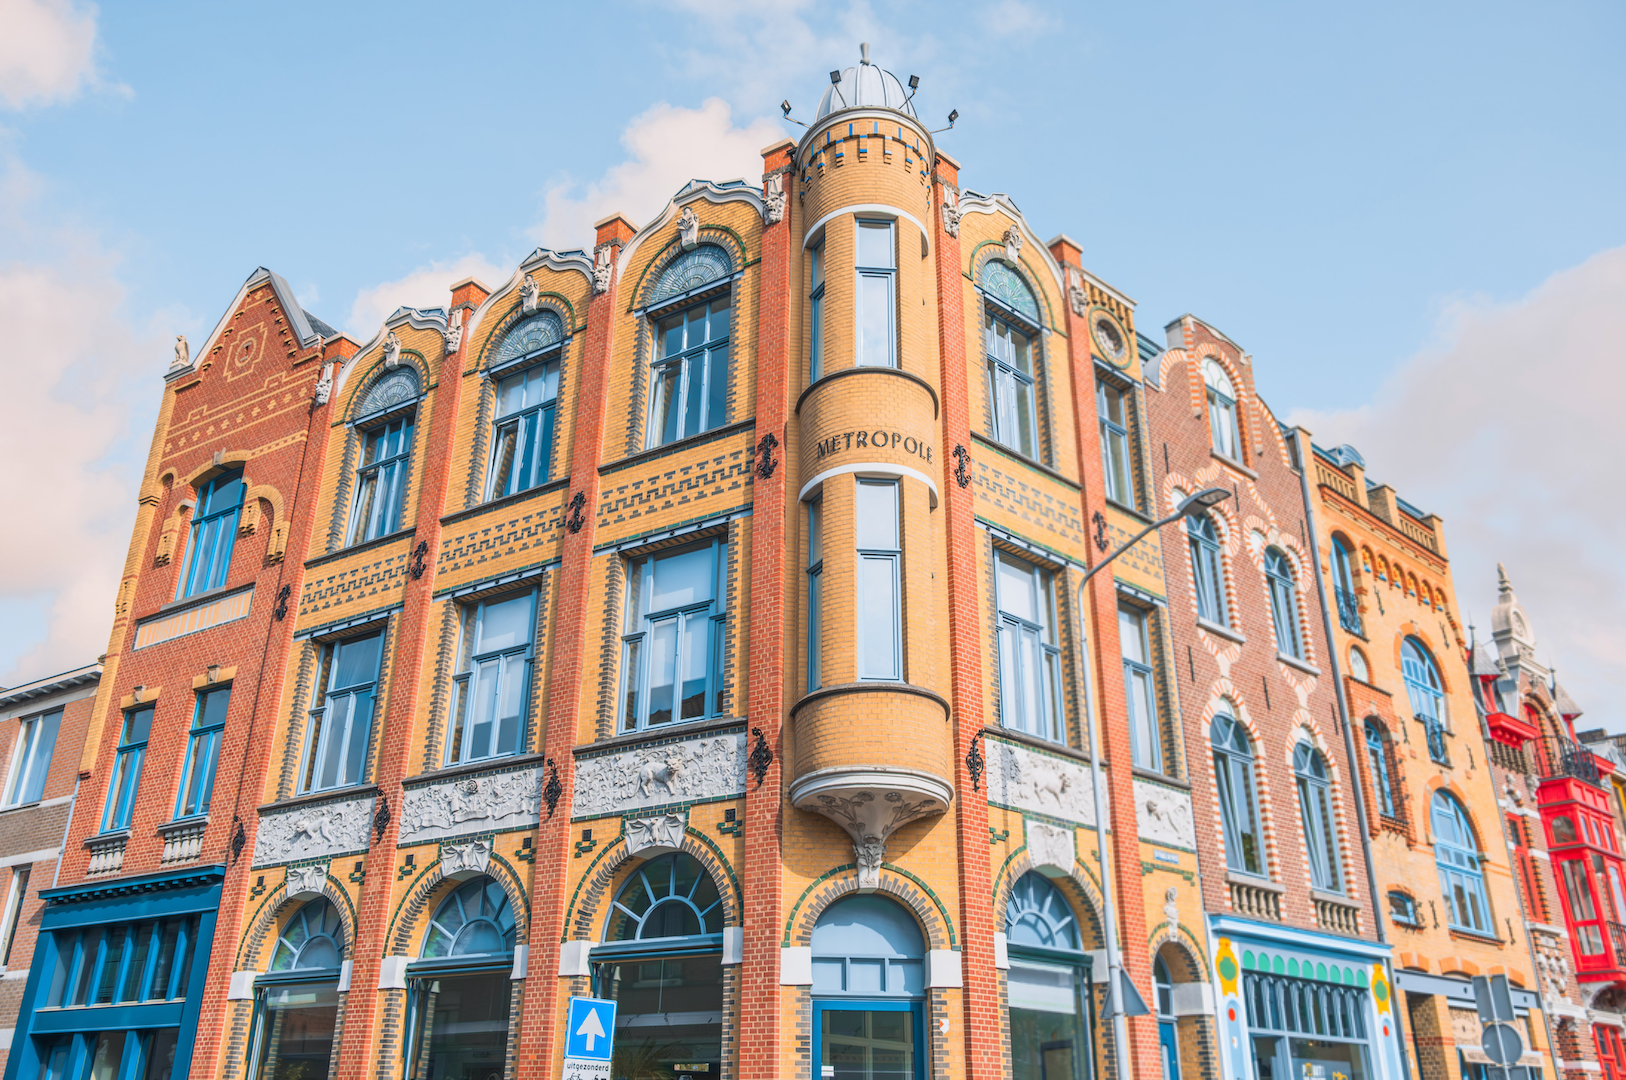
1026, 780
305, 832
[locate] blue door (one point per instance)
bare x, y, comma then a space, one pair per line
869, 1040
1171, 1050
869, 1017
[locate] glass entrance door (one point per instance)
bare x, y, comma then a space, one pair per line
869, 1040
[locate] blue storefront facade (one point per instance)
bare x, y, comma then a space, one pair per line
1293, 1003
117, 980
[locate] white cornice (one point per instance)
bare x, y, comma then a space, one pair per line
693, 191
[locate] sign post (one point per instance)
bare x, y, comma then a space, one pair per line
589, 1039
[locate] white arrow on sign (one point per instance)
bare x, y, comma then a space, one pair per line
592, 1027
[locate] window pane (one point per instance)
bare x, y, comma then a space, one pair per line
670, 1013
631, 673
461, 1025
694, 395
505, 624
875, 244
682, 580
1131, 635
212, 708
877, 512
669, 337
816, 347
875, 321
298, 1024
1015, 588
1025, 441
878, 614
356, 661
719, 320
662, 670
716, 387
509, 718
663, 421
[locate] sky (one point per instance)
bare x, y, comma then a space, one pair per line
1410, 215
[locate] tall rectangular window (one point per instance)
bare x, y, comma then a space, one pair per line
14, 912
880, 558
522, 442
121, 791
1010, 383
202, 752
1145, 728
689, 384
815, 318
1112, 410
214, 529
815, 597
341, 714
494, 675
877, 295
31, 759
1029, 660
672, 655
381, 480
1207, 569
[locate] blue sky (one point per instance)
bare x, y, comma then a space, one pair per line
1375, 202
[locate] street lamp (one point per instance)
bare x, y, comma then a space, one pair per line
1192, 506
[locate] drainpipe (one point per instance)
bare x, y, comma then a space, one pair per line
1306, 455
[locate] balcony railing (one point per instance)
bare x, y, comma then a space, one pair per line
1349, 612
1436, 741
1617, 941
1261, 901
1557, 756
1338, 916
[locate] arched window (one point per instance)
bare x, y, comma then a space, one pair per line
1424, 687
868, 990
1284, 603
1234, 783
460, 988
297, 999
662, 961
1168, 1025
1357, 665
690, 372
1047, 984
1207, 570
1456, 854
1315, 810
214, 529
1377, 759
1222, 411
1009, 318
1343, 587
386, 429
525, 369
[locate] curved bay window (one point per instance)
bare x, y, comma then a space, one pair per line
341, 716
459, 989
869, 991
494, 673
1052, 1011
1305, 1027
662, 963
1315, 811
1284, 603
214, 530
672, 651
1456, 854
297, 999
1207, 570
1234, 781
1222, 427
1029, 660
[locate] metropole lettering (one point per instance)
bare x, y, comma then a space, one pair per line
879, 439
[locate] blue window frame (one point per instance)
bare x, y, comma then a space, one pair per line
672, 653
522, 437
1456, 855
132, 751
880, 567
1207, 570
31, 758
381, 480
1112, 410
1343, 587
460, 990
876, 265
1239, 810
1316, 815
340, 724
494, 679
868, 988
1140, 689
815, 595
815, 317
297, 1000
1377, 757
202, 753
689, 380
1426, 692
1284, 603
1051, 1008
214, 531
1029, 659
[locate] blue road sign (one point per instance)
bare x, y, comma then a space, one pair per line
591, 1029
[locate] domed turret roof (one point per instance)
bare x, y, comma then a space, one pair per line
868, 86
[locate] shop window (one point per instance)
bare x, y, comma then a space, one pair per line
672, 652
494, 660
1235, 786
1207, 570
880, 580
1303, 1027
1456, 854
522, 434
1315, 812
214, 531
31, 758
460, 988
121, 963
127, 762
1140, 687
1222, 426
662, 963
1284, 603
1010, 383
1051, 1010
877, 295
202, 752
1029, 659
689, 381
868, 990
1112, 404
297, 1000
340, 723
1377, 760
381, 479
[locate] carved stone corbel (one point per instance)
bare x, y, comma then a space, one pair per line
951, 212
773, 198
602, 268
689, 229
1013, 245
306, 881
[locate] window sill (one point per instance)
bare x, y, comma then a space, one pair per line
1237, 877
1233, 463
1034, 742
1332, 898
464, 768
195, 599
357, 791
1474, 935
506, 501
1293, 661
1159, 778
1221, 631
353, 549
994, 444
196, 821
115, 836
686, 729
688, 441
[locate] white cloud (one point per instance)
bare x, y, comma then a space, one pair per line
47, 51
667, 147
426, 287
1509, 427
1010, 18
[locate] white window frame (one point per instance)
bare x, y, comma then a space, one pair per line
637, 649
467, 697
1223, 428
1116, 448
890, 274
1022, 639
1144, 675
892, 557
27, 765
319, 738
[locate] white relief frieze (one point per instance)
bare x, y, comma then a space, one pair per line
313, 831
1028, 780
471, 804
647, 776
1163, 815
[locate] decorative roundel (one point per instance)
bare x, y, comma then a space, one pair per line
1110, 336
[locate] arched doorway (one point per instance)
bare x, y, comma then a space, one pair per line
869, 979
297, 999
1048, 985
461, 985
